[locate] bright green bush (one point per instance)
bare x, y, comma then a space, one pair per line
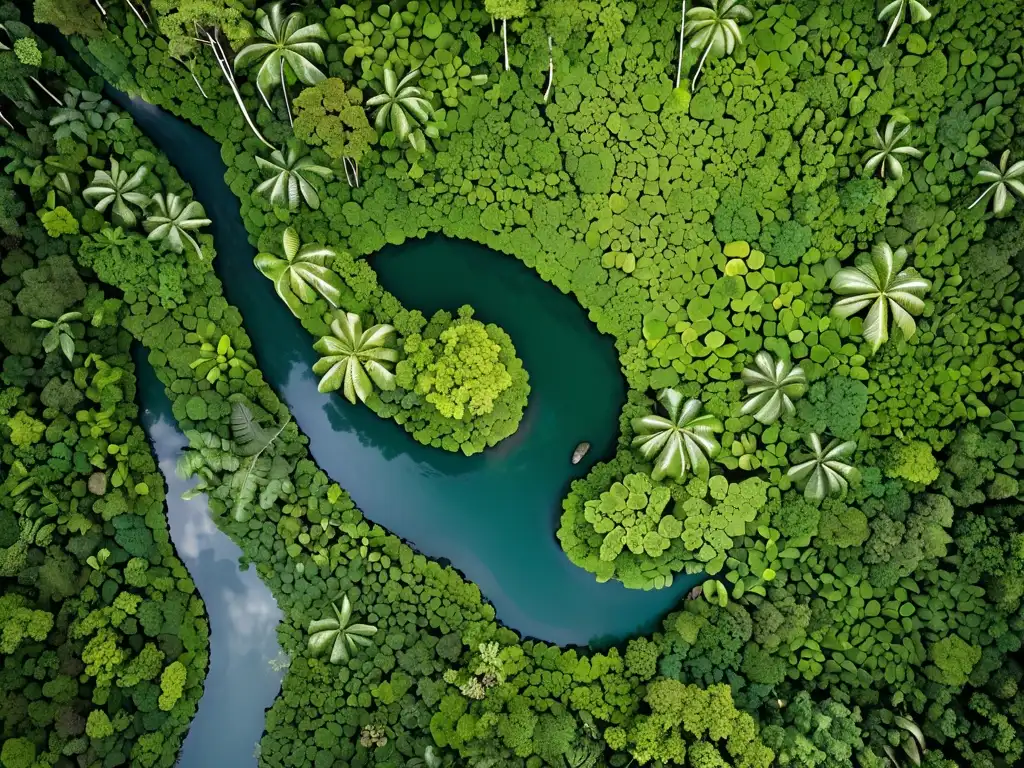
697, 229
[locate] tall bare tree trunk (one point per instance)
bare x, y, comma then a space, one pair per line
45, 90
137, 14
351, 171
225, 68
6, 121
100, 6
700, 64
551, 71
504, 38
189, 66
682, 33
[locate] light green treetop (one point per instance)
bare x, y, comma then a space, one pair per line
466, 375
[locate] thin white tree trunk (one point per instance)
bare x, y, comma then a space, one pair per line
45, 90
198, 84
700, 64
100, 6
191, 70
351, 171
981, 197
551, 71
137, 14
225, 68
6, 121
504, 38
682, 33
284, 90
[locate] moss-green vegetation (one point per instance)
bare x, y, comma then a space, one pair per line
103, 638
862, 537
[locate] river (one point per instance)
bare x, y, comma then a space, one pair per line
240, 683
492, 515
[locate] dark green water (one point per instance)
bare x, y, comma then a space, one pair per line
492, 515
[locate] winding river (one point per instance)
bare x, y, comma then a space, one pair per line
492, 515
240, 683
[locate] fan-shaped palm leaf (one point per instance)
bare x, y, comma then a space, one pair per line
771, 388
1002, 180
681, 440
288, 184
284, 40
886, 150
172, 221
826, 470
302, 273
715, 29
401, 108
354, 359
899, 10
117, 187
882, 284
343, 639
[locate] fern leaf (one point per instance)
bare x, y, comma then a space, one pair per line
245, 485
249, 436
187, 465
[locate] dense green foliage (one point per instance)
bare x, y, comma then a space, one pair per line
103, 638
700, 227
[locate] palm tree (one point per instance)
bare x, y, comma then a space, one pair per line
886, 150
1001, 180
881, 283
771, 388
302, 274
337, 634
60, 334
172, 221
826, 471
679, 441
401, 107
899, 9
355, 359
715, 29
115, 186
288, 181
81, 113
285, 40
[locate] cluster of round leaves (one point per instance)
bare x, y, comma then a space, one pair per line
630, 533
630, 514
791, 192
83, 529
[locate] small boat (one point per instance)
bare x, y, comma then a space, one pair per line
580, 452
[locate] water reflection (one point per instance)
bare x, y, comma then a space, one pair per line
243, 614
492, 515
